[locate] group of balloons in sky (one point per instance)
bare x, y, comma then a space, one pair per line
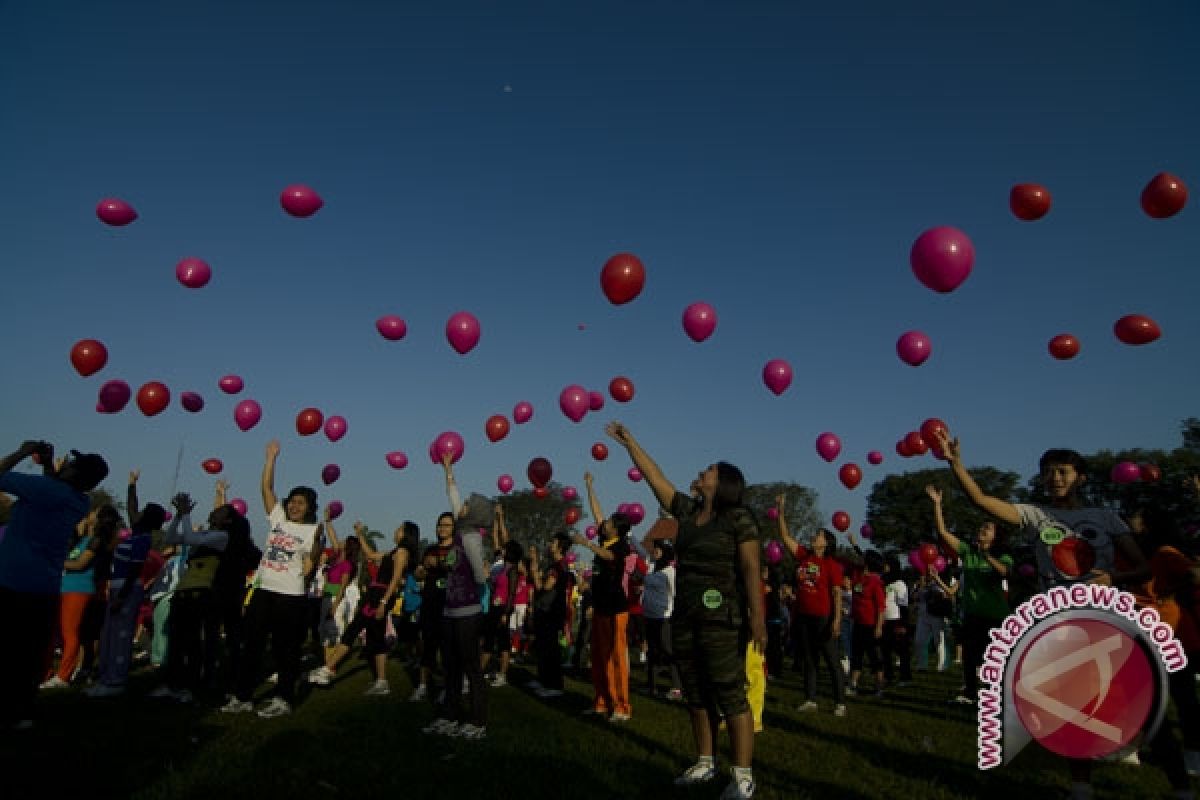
941, 259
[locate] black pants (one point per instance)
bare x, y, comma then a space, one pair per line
776, 630
897, 642
30, 619
659, 653
974, 643
864, 644
1183, 693
376, 634
817, 642
549, 654
581, 641
280, 617
190, 609
460, 656
226, 616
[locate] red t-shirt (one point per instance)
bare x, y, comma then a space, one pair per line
817, 578
868, 599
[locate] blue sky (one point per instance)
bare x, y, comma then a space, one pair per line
773, 160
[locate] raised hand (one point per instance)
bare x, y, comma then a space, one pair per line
273, 449
619, 433
948, 446
134, 474
935, 494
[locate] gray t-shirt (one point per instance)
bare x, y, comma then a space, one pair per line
1070, 543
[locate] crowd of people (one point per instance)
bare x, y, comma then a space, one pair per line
91, 594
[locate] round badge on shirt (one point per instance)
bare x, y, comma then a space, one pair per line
712, 599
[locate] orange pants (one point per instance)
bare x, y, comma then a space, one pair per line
610, 663
71, 608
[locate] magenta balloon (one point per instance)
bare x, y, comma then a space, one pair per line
397, 459
595, 401
1126, 472
574, 402
777, 375
447, 442
590, 532
942, 258
100, 409
699, 321
335, 428
634, 474
300, 200
772, 513
114, 396
522, 412
116, 212
335, 509
569, 493
330, 473
247, 414
913, 348
774, 552
191, 402
623, 508
866, 530
391, 327
828, 446
636, 512
939, 563
875, 457
914, 558
239, 505
231, 384
193, 273
571, 558
462, 331
504, 483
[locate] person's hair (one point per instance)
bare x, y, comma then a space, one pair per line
622, 522
445, 515
830, 541
1057, 457
513, 552
564, 541
310, 495
730, 486
108, 522
411, 542
667, 547
873, 561
352, 549
151, 519
999, 535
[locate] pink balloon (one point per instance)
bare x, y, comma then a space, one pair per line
522, 412
939, 563
462, 331
447, 442
595, 401
875, 457
335, 509
504, 483
247, 414
330, 473
774, 552
570, 558
391, 327
397, 459
942, 258
914, 558
1126, 472
239, 505
569, 493
699, 321
300, 200
777, 375
193, 273
866, 530
231, 384
574, 402
636, 512
191, 402
772, 513
116, 212
335, 428
634, 474
114, 396
913, 348
828, 446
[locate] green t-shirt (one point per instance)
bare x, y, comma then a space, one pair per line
982, 593
708, 581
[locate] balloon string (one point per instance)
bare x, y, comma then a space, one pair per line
178, 464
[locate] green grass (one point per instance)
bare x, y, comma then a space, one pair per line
340, 744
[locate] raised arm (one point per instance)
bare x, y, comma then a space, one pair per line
593, 502
268, 476
452, 493
792, 545
26, 449
364, 541
219, 496
751, 574
1000, 509
949, 589
939, 519
603, 553
131, 497
499, 530
663, 490
330, 532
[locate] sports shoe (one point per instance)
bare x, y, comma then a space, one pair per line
469, 731
235, 706
1132, 759
1191, 759
807, 707
852, 691
675, 694
378, 688
549, 694
54, 682
739, 789
697, 773
162, 692
441, 726
104, 690
846, 665
617, 716
466, 685
418, 694
321, 676
498, 681
275, 707
641, 658
273, 677
839, 710
963, 700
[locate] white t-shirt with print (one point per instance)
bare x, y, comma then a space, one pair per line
1070, 543
282, 567
895, 595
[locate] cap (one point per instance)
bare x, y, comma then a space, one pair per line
90, 467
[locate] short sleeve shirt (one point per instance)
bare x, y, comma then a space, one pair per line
1070, 543
707, 577
40, 527
868, 599
982, 593
282, 567
608, 589
817, 577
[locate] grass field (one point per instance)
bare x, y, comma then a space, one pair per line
340, 744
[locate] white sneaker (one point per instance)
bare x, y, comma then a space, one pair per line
103, 690
498, 682
418, 694
235, 706
617, 716
846, 665
1191, 759
697, 773
273, 677
321, 676
441, 726
549, 694
807, 707
641, 658
1131, 760
839, 710
470, 731
739, 789
162, 692
378, 688
275, 707
54, 682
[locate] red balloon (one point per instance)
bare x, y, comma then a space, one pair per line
841, 520
496, 427
595, 401
309, 421
153, 397
929, 554
916, 444
599, 451
850, 475
541, 492
902, 449
875, 457
1164, 196
1029, 201
539, 472
1064, 346
116, 212
89, 356
212, 465
622, 278
191, 402
621, 389
300, 200
929, 429
1151, 473
1136, 329
571, 516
